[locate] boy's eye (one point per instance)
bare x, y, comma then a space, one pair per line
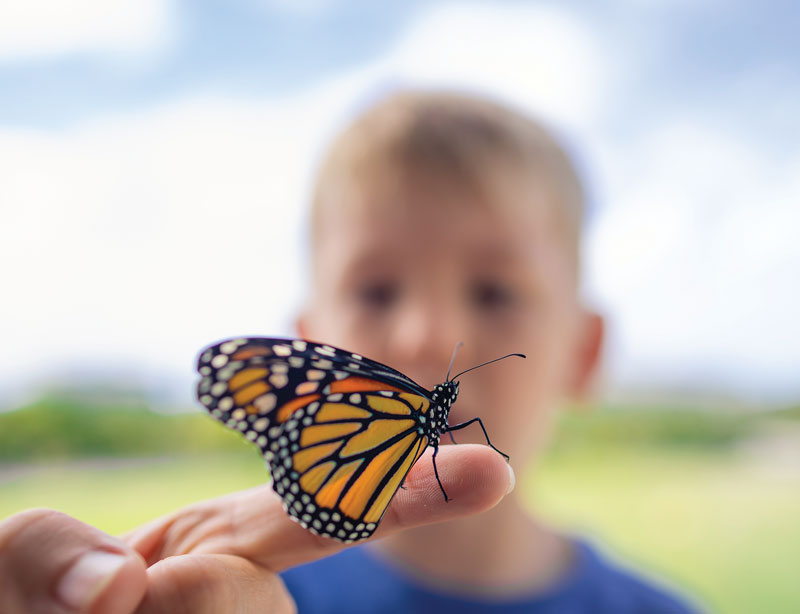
491, 295
378, 294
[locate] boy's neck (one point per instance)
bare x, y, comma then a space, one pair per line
501, 552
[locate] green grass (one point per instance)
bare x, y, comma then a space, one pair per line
117, 495
62, 428
724, 526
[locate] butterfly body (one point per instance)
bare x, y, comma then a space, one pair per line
339, 431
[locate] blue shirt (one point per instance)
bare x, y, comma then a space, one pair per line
356, 582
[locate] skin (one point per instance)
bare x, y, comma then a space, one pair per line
401, 276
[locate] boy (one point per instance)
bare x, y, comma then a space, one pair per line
437, 219
440, 218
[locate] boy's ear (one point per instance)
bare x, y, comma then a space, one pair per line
589, 352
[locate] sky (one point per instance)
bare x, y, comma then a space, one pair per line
156, 156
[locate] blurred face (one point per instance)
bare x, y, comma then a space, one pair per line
404, 279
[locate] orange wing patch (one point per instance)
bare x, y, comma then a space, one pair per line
378, 432
340, 411
288, 408
250, 392
318, 433
303, 459
388, 406
381, 503
416, 401
330, 493
246, 376
357, 497
360, 384
312, 479
251, 352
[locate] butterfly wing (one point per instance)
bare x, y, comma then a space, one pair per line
339, 431
338, 461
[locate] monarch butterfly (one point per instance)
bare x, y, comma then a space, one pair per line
338, 430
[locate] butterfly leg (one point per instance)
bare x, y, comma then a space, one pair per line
453, 439
436, 473
458, 427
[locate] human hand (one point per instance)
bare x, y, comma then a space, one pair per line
50, 562
221, 555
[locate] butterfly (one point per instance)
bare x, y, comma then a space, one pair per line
339, 431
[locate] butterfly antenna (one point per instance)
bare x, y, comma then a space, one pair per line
488, 362
452, 360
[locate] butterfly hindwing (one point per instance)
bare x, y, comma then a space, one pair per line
338, 462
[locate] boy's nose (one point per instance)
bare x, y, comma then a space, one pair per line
423, 339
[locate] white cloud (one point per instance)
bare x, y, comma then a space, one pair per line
136, 239
35, 28
537, 56
696, 258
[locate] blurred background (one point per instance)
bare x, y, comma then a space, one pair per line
155, 155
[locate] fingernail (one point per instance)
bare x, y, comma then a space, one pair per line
86, 579
512, 479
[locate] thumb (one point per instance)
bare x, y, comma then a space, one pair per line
50, 562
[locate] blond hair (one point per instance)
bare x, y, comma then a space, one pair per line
457, 138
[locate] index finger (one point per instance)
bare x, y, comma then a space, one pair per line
252, 523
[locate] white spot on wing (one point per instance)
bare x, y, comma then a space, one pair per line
219, 388
266, 402
279, 380
228, 347
282, 350
220, 360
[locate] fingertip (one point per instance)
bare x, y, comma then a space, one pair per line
125, 589
102, 581
475, 477
480, 477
